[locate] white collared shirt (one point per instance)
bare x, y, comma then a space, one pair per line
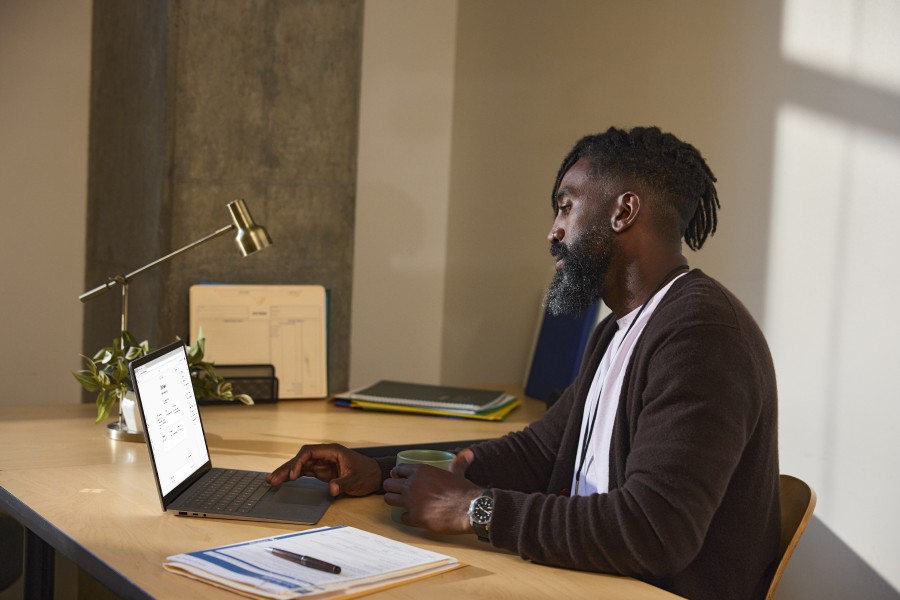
607, 384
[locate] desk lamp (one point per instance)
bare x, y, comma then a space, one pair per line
251, 237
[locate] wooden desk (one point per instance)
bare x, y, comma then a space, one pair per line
65, 435
94, 500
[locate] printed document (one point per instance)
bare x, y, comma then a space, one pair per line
281, 325
368, 562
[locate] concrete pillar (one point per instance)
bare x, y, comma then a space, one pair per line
195, 103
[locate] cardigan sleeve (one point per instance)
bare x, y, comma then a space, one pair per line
524, 460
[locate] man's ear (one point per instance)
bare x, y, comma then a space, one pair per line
625, 211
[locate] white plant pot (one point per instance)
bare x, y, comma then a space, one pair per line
131, 413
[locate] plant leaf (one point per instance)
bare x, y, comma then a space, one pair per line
128, 339
92, 367
102, 407
120, 371
87, 380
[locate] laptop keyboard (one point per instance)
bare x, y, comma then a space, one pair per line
228, 491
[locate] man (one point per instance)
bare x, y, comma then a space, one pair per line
660, 461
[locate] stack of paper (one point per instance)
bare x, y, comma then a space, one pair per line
396, 396
368, 562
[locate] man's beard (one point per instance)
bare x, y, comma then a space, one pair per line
580, 283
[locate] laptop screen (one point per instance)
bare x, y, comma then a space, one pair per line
171, 418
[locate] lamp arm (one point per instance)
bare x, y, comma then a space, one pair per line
122, 280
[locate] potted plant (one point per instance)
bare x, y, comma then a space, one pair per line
107, 374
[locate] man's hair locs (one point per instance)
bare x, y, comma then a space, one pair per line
671, 168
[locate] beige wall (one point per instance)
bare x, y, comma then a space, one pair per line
402, 190
44, 77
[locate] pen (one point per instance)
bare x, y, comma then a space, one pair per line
306, 561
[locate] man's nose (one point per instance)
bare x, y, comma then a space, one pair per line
556, 234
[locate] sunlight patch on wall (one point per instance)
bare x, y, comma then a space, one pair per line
831, 322
856, 39
800, 303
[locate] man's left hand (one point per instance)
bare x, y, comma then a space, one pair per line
434, 499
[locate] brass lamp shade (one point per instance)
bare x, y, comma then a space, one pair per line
251, 237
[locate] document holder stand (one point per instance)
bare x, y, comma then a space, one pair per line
257, 381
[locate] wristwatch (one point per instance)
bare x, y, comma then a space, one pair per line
481, 509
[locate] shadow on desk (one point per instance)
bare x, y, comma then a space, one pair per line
277, 450
378, 451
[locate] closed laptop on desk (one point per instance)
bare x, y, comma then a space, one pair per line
185, 478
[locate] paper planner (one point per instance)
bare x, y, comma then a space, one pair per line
281, 325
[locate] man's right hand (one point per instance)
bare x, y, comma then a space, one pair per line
345, 471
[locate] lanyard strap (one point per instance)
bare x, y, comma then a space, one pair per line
592, 419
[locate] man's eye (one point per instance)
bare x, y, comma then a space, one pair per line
565, 208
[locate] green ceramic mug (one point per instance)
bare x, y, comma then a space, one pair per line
435, 458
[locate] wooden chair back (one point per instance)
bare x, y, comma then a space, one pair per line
798, 501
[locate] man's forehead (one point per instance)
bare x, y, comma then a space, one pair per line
576, 175
586, 172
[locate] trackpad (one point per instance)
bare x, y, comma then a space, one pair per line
304, 500
293, 493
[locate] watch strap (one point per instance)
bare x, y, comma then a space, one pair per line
481, 511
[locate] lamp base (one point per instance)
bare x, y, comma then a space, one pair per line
117, 431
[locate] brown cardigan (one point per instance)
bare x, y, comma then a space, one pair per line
693, 504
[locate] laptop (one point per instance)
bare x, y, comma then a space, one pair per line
187, 482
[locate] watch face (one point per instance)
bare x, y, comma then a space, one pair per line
482, 510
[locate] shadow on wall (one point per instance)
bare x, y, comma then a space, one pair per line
825, 568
